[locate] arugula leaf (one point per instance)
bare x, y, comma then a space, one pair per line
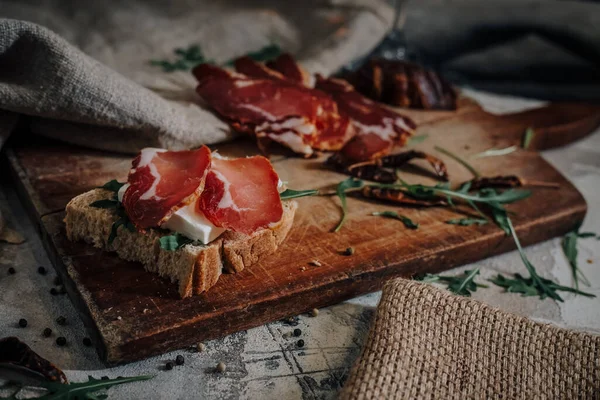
105, 203
292, 194
467, 221
461, 285
261, 55
113, 185
459, 160
81, 390
174, 242
340, 191
528, 286
186, 59
569, 245
416, 139
527, 138
393, 214
496, 152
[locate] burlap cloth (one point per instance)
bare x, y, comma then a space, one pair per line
426, 343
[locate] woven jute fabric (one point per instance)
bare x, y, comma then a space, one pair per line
426, 343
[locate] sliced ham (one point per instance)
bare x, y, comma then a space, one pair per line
241, 194
331, 131
161, 182
288, 67
377, 128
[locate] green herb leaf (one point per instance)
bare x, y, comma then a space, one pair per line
186, 59
462, 285
342, 188
528, 286
569, 245
467, 221
416, 139
393, 214
264, 54
113, 185
496, 152
85, 390
459, 160
114, 230
174, 242
292, 194
527, 138
105, 203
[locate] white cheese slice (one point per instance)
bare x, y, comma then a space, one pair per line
191, 222
187, 221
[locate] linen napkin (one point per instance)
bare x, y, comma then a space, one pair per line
426, 343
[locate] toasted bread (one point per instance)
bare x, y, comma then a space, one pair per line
196, 268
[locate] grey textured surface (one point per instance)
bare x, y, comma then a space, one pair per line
262, 362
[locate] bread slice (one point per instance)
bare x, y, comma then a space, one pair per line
195, 267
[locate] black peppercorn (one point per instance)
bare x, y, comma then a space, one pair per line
42, 270
61, 341
87, 341
11, 271
297, 332
61, 320
47, 332
22, 322
53, 291
104, 378
169, 366
300, 343
179, 360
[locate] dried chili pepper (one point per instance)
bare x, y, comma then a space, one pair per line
400, 197
19, 356
506, 181
397, 160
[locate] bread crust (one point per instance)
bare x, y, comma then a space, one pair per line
195, 268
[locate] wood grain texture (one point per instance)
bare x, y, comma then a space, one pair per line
133, 314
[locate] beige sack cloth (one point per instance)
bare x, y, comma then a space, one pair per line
426, 343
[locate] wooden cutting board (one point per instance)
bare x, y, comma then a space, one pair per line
131, 314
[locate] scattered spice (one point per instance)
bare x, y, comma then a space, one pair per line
61, 341
300, 343
201, 347
53, 291
314, 312
119, 318
349, 251
303, 269
297, 332
11, 271
169, 366
179, 360
22, 322
61, 320
221, 367
589, 261
47, 332
316, 263
87, 341
42, 270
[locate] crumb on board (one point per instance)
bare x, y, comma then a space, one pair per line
314, 312
589, 260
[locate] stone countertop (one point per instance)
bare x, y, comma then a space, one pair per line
266, 362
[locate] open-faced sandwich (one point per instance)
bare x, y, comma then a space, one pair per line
186, 215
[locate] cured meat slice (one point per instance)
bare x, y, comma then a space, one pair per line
161, 182
332, 130
241, 194
273, 109
377, 129
247, 66
288, 67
